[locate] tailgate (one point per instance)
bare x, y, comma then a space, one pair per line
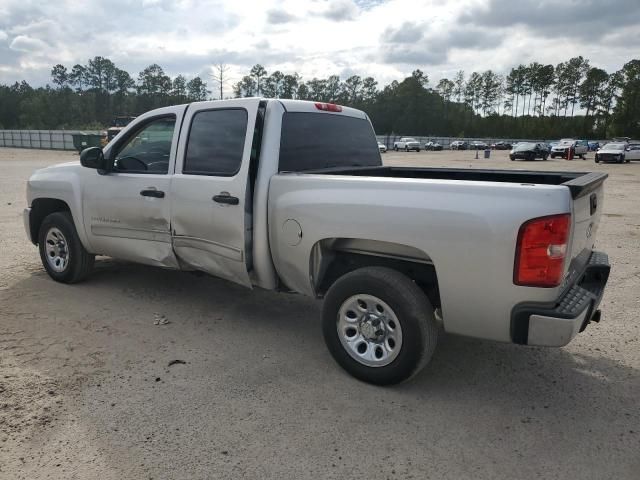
588, 198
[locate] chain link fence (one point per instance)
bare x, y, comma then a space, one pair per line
43, 139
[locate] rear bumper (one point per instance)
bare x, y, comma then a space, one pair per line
555, 324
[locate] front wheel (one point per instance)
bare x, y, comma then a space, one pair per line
378, 325
63, 255
512, 157
553, 156
544, 157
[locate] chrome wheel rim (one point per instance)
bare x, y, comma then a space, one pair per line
57, 250
369, 330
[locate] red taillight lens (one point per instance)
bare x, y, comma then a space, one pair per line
541, 250
328, 107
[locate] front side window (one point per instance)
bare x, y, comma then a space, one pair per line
216, 143
148, 149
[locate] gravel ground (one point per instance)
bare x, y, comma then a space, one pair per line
86, 389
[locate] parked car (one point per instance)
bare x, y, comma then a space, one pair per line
296, 198
579, 148
407, 144
382, 147
434, 146
529, 151
633, 151
478, 145
459, 145
618, 152
501, 146
593, 146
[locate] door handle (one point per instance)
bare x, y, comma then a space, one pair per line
226, 199
152, 193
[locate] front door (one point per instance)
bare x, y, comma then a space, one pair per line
126, 212
210, 205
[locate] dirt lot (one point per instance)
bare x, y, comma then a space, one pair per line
86, 390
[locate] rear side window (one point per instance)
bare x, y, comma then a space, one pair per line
216, 143
313, 141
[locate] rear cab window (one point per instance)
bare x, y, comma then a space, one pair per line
313, 141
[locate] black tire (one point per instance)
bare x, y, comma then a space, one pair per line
512, 157
553, 156
418, 150
406, 149
80, 261
544, 157
410, 305
596, 160
395, 148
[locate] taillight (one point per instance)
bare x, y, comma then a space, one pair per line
328, 107
541, 250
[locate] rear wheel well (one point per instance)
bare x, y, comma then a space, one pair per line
341, 263
40, 209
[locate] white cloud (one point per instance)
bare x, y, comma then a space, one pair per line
385, 39
24, 43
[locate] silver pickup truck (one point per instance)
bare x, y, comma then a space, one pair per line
293, 196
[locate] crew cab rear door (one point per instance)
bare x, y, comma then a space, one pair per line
210, 210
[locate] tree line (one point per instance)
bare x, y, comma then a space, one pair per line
531, 101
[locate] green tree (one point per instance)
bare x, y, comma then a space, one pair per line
197, 90
60, 76
626, 114
258, 72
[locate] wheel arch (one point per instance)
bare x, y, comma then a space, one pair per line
40, 209
332, 258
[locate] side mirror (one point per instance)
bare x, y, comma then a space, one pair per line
93, 157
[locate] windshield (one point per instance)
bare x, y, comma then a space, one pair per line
566, 142
409, 139
312, 141
525, 146
614, 146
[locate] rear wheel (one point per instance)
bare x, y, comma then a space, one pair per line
378, 325
63, 255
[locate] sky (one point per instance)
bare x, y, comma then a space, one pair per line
386, 39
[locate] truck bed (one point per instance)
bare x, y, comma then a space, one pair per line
579, 183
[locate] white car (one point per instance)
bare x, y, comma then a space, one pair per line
579, 148
382, 147
619, 152
406, 144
